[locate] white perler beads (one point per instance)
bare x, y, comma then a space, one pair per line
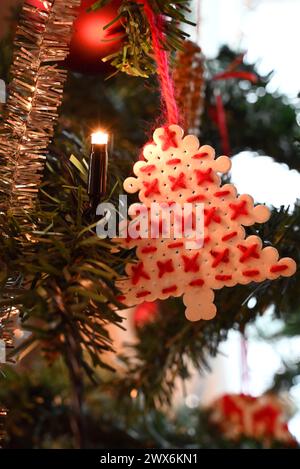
177, 170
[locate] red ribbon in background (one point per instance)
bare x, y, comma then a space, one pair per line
219, 115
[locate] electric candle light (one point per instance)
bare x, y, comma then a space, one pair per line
98, 167
99, 138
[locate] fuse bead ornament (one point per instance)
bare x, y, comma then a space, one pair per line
263, 418
178, 170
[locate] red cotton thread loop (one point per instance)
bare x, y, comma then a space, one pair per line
161, 58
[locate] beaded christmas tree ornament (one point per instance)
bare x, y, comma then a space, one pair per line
178, 170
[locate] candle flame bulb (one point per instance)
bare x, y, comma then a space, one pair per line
98, 167
99, 138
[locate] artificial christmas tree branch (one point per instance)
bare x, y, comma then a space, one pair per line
64, 305
66, 291
136, 54
77, 385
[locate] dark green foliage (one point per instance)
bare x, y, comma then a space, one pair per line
135, 56
40, 408
68, 272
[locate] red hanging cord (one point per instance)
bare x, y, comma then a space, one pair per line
242, 75
221, 118
222, 124
156, 23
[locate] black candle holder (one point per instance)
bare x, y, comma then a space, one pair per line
98, 166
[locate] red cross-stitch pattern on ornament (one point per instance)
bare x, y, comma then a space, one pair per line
177, 169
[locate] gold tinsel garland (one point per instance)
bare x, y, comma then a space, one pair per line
189, 85
35, 93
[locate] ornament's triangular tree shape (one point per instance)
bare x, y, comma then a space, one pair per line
178, 170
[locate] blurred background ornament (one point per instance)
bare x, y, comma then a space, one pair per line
145, 313
262, 418
92, 41
189, 82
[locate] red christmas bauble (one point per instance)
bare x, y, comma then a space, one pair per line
90, 42
145, 313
